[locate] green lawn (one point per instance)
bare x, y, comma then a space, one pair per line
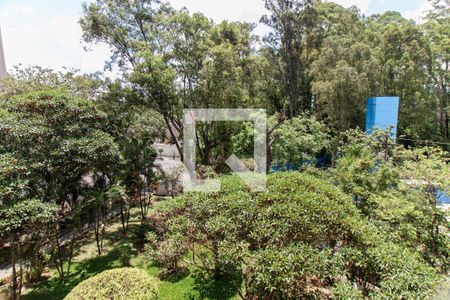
88, 264
173, 289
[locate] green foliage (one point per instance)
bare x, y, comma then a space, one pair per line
290, 46
319, 57
436, 28
175, 60
66, 137
26, 216
343, 81
294, 272
208, 286
346, 291
302, 238
61, 152
125, 283
169, 251
299, 139
243, 141
13, 181
426, 167
57, 288
402, 274
396, 189
126, 251
368, 228
34, 78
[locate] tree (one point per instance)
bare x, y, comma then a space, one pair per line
136, 169
437, 27
134, 128
343, 80
175, 60
396, 189
303, 237
404, 53
172, 179
299, 139
427, 169
291, 44
33, 78
24, 221
66, 146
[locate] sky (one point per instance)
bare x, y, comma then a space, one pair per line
46, 32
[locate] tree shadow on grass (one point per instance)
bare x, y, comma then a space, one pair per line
174, 277
54, 289
207, 286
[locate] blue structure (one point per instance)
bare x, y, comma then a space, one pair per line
382, 113
318, 162
442, 198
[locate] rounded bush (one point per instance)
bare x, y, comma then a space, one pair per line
124, 283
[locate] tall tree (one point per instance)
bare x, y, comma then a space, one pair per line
404, 53
437, 27
24, 220
177, 60
291, 42
344, 77
62, 142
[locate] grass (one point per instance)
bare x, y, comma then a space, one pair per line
55, 288
87, 264
184, 287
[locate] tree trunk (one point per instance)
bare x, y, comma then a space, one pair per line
19, 288
172, 135
443, 116
59, 258
69, 260
14, 273
122, 218
97, 232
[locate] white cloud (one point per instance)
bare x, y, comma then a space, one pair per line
419, 13
233, 10
363, 5
33, 35
16, 9
236, 10
244, 10
55, 44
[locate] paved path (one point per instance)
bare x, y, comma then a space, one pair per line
6, 268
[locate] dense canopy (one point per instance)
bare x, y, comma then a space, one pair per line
347, 215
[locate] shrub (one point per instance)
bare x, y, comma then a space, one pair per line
117, 284
346, 291
169, 253
126, 251
401, 273
302, 238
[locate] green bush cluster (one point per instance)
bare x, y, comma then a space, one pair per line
302, 238
117, 284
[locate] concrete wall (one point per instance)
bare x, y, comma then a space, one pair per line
167, 150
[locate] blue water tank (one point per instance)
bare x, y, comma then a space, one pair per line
382, 113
